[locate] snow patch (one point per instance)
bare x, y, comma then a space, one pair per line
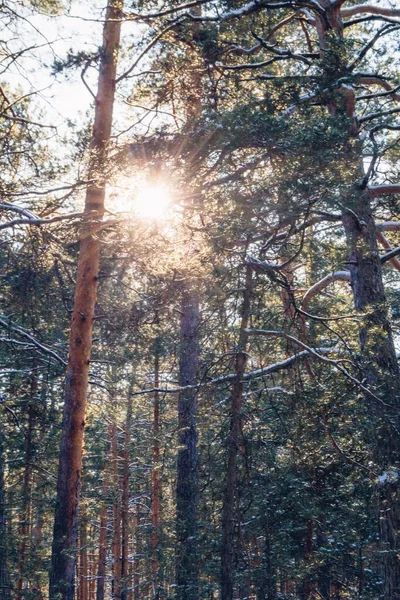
387, 478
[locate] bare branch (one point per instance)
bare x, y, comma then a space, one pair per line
322, 284
388, 225
385, 243
378, 115
144, 52
269, 370
384, 189
390, 255
37, 222
370, 9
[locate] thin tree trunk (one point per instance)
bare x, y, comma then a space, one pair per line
24, 528
70, 462
101, 565
228, 508
126, 584
155, 475
136, 574
187, 478
116, 531
5, 592
83, 558
92, 571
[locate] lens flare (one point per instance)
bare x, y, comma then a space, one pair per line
152, 201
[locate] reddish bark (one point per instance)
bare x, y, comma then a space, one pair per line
70, 462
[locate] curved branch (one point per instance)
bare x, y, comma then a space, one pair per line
371, 10
321, 285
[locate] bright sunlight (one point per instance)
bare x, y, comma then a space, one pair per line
152, 201
148, 200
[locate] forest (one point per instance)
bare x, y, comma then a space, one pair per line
200, 300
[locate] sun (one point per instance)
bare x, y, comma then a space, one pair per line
152, 201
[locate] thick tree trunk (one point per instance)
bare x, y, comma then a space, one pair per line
70, 462
187, 476
228, 508
5, 592
380, 372
378, 357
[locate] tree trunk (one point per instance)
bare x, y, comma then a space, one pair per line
116, 530
83, 558
187, 477
136, 573
228, 508
126, 584
24, 527
378, 356
155, 475
5, 593
101, 565
70, 462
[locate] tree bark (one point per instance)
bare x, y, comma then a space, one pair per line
378, 356
155, 475
5, 590
187, 476
24, 528
83, 558
116, 530
70, 462
126, 584
228, 508
102, 555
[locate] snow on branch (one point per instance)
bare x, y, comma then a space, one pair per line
370, 9
322, 284
43, 347
37, 221
264, 371
315, 353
